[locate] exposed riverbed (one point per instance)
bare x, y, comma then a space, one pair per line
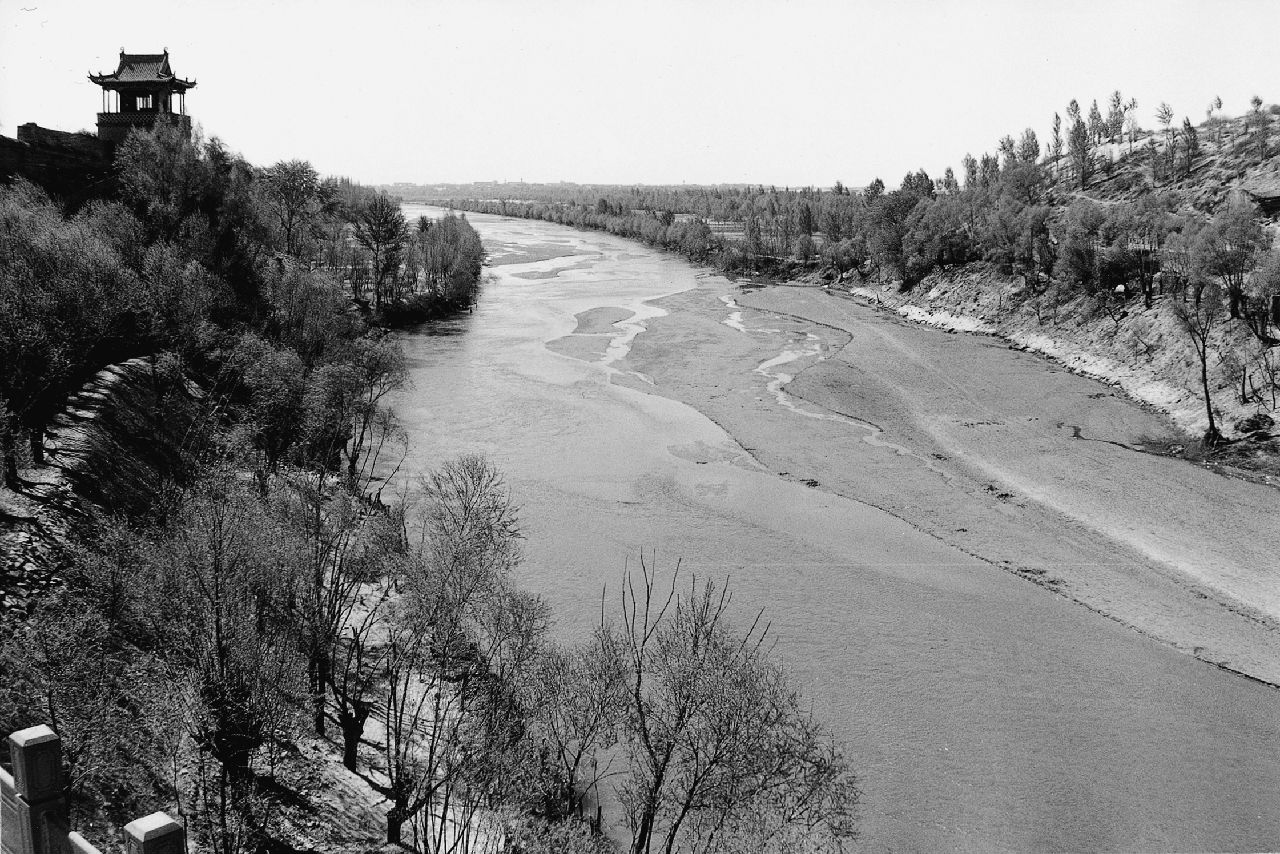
921, 514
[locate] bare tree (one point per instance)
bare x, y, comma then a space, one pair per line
458, 639
721, 756
224, 575
1199, 320
348, 420
577, 703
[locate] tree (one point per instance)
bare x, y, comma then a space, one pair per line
832, 223
1115, 116
294, 196
1228, 248
577, 704
948, 184
345, 413
222, 576
1258, 121
1199, 320
1097, 127
1146, 226
805, 219
720, 754
1055, 147
1164, 115
1131, 121
917, 184
874, 190
1080, 153
64, 288
200, 198
805, 248
1157, 162
1028, 147
1008, 150
988, 170
1078, 247
1264, 284
382, 231
1212, 121
459, 637
1191, 145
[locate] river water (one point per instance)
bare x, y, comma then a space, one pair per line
982, 712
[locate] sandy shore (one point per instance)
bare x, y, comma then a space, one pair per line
998, 452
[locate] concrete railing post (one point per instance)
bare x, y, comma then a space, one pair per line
34, 796
33, 806
154, 834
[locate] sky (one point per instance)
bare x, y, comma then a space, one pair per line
644, 91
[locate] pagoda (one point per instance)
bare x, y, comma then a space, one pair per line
140, 93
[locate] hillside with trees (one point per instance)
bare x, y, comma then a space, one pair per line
1106, 234
253, 633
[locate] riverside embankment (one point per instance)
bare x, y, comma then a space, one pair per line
908, 509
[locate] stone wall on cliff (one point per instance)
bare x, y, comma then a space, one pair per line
121, 442
73, 167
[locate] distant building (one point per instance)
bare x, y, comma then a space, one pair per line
140, 93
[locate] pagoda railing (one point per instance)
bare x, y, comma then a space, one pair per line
142, 118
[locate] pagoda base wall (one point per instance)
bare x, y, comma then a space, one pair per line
114, 127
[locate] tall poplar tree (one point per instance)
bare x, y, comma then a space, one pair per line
1080, 153
1115, 116
1097, 128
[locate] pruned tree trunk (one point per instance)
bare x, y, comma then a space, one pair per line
352, 722
10, 459
37, 444
395, 822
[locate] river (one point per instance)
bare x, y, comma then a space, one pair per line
991, 697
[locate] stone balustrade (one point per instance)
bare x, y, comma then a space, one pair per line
33, 806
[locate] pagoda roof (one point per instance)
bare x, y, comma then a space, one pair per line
143, 69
